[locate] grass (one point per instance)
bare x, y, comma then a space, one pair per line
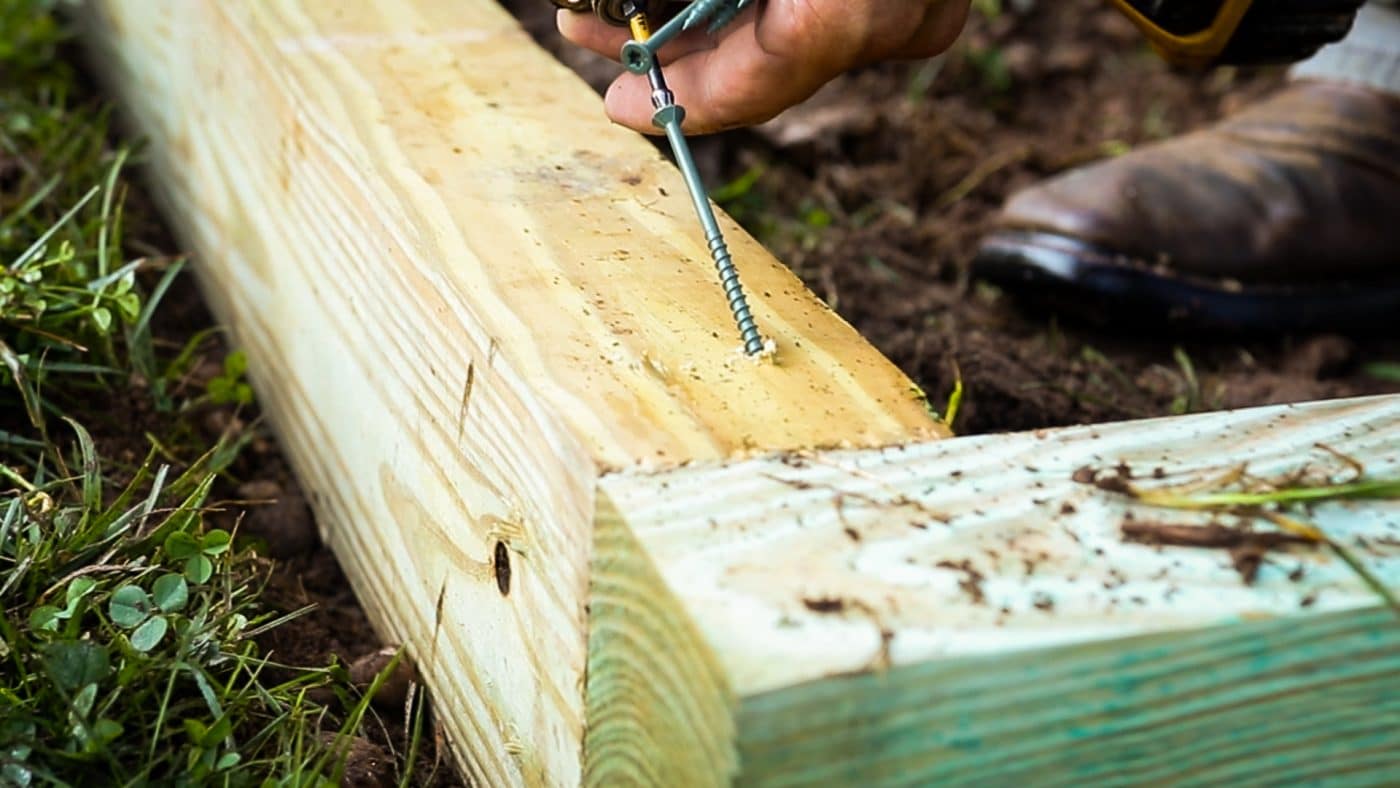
1281, 502
128, 640
1388, 371
128, 625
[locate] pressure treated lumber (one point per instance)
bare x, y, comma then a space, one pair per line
464, 295
965, 612
487, 333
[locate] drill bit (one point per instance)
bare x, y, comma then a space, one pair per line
668, 117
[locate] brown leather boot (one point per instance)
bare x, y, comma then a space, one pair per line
1285, 216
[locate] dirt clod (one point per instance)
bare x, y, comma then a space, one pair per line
280, 517
367, 765
394, 691
1321, 357
1115, 483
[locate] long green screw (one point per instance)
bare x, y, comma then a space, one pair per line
669, 117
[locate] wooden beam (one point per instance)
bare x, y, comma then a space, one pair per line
966, 612
465, 296
485, 328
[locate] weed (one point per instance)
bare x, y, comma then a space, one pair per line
989, 65
1096, 357
991, 9
738, 188
923, 78
1190, 400
115, 664
1249, 498
955, 397
229, 387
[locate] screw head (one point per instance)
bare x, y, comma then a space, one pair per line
636, 57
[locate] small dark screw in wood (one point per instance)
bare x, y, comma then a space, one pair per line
502, 565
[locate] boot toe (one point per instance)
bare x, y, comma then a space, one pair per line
1283, 218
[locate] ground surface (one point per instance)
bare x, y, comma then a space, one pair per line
878, 191
259, 499
876, 195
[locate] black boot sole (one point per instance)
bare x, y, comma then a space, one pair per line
1101, 287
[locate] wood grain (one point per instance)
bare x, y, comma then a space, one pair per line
429, 160
660, 709
967, 611
1253, 703
463, 294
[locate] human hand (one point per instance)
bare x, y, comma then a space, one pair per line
774, 55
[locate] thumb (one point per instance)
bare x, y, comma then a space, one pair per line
734, 84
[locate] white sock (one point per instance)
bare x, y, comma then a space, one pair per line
1369, 55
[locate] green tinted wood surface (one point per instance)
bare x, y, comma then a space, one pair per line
1272, 701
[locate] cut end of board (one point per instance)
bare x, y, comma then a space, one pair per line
916, 614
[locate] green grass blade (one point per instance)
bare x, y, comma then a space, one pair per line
1379, 489
92, 477
39, 243
142, 326
104, 230
1367, 576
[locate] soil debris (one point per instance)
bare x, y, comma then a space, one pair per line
279, 516
394, 691
824, 604
1216, 535
972, 579
1247, 548
367, 765
1322, 357
1120, 481
1085, 475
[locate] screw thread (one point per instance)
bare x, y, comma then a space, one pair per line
669, 116
734, 293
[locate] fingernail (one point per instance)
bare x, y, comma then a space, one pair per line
566, 22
